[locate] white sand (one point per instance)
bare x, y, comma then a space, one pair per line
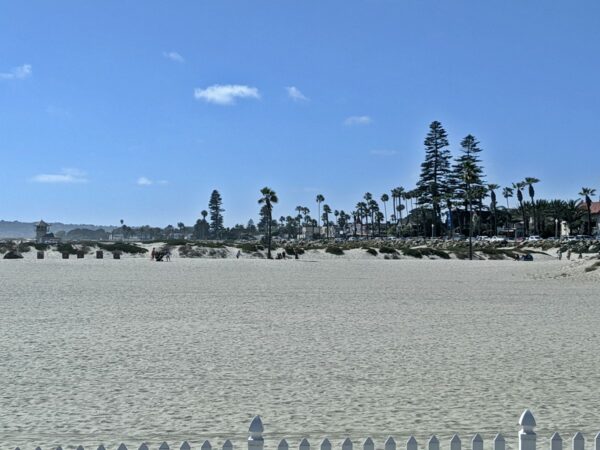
108, 351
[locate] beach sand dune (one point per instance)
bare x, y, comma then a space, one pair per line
104, 351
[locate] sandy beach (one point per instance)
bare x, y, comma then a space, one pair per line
105, 351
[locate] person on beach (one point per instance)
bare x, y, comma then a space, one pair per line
559, 254
238, 254
153, 254
569, 254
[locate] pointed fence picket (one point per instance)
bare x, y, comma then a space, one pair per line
527, 438
499, 442
556, 442
455, 442
283, 445
304, 445
433, 443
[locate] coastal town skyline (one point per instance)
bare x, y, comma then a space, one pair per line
123, 122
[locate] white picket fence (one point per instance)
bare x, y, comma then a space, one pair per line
526, 438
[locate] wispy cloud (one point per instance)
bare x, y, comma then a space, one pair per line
225, 94
383, 152
64, 176
174, 56
17, 73
295, 94
357, 120
145, 181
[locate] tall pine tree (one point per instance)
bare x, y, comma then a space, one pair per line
433, 183
470, 151
216, 218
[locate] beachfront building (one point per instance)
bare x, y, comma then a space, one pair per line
43, 235
309, 232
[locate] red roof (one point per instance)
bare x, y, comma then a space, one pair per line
594, 207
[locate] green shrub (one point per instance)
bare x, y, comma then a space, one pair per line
334, 250
413, 252
435, 252
250, 248
387, 250
41, 247
66, 248
176, 242
123, 247
23, 247
294, 250
593, 267
371, 251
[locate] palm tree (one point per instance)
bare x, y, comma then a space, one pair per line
530, 181
507, 193
320, 199
469, 176
326, 212
399, 208
384, 199
379, 218
269, 197
373, 209
181, 227
519, 188
492, 188
587, 193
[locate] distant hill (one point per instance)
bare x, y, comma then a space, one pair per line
26, 230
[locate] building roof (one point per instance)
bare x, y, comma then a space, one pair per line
594, 207
41, 223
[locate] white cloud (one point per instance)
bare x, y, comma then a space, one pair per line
295, 94
64, 176
143, 181
174, 56
225, 94
17, 73
357, 120
384, 152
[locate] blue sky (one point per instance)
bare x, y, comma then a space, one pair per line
138, 109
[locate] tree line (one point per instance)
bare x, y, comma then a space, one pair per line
451, 197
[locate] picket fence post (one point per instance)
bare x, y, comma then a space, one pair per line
390, 444
434, 443
578, 441
527, 436
556, 442
455, 442
499, 442
412, 444
227, 445
185, 445
255, 438
325, 444
304, 444
283, 445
